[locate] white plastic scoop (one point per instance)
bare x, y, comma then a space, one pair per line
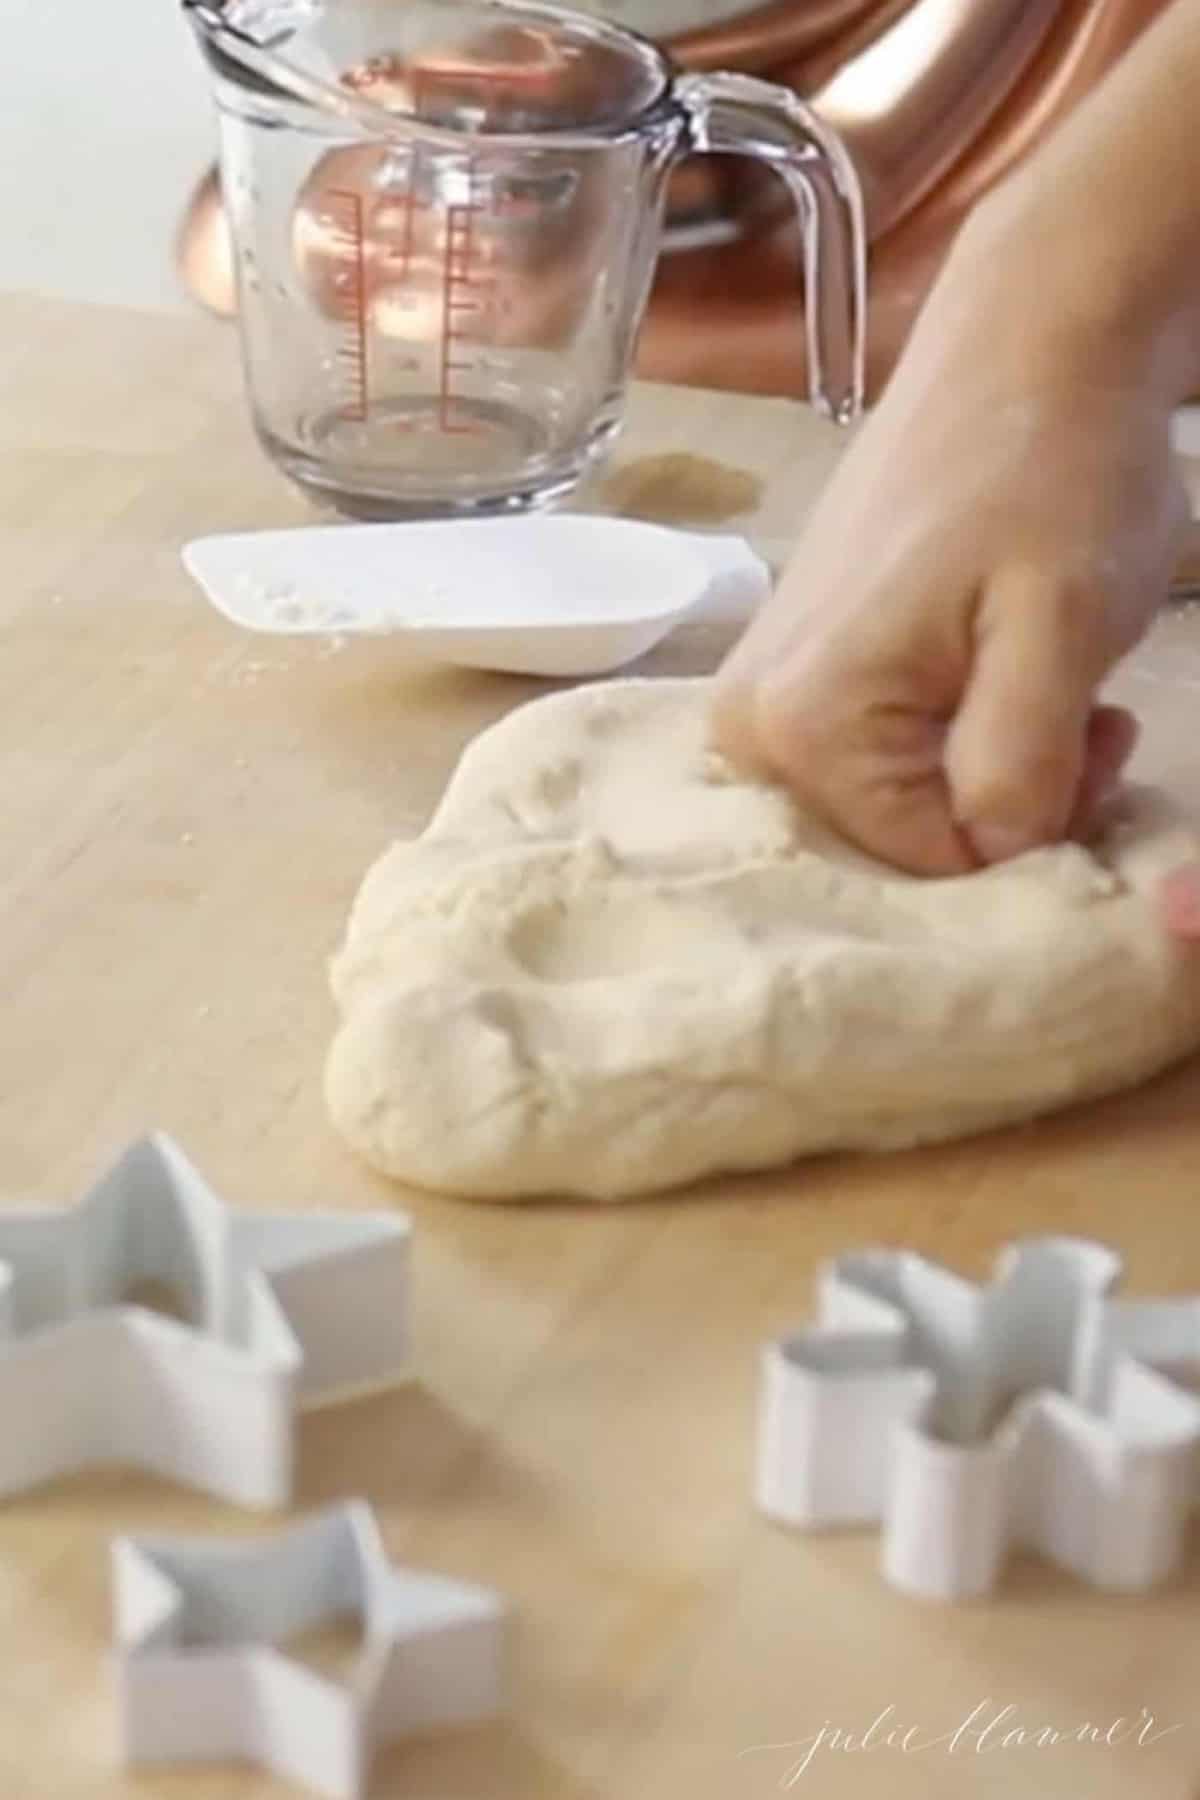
560, 594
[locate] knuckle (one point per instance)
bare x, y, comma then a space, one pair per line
1099, 613
795, 727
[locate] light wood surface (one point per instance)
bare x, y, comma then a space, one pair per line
186, 813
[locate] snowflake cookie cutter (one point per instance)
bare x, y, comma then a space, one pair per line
290, 1309
1038, 1413
203, 1674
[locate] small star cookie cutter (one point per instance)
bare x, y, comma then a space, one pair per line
290, 1309
203, 1673
1037, 1413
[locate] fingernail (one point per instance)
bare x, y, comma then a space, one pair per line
1000, 843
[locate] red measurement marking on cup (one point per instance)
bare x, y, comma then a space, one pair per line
466, 296
399, 256
352, 299
468, 288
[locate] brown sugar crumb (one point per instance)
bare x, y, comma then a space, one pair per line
681, 489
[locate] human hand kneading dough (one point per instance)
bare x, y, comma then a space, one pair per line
1005, 525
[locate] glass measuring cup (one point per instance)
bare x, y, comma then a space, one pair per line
446, 215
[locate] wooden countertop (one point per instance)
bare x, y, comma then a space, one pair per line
186, 815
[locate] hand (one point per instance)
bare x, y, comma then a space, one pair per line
999, 535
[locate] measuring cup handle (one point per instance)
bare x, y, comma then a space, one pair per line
741, 116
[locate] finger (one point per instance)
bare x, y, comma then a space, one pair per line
1180, 901
872, 772
1112, 735
1015, 754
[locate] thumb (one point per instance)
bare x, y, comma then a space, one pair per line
1017, 750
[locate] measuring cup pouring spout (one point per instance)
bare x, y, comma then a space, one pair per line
446, 216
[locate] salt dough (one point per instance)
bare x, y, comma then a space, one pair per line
610, 965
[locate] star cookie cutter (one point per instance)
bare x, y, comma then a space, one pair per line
289, 1309
1037, 1413
203, 1673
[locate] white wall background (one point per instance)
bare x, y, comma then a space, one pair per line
105, 125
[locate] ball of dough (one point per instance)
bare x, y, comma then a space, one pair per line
611, 965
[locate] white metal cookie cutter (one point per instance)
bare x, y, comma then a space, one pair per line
1038, 1413
287, 1308
203, 1673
